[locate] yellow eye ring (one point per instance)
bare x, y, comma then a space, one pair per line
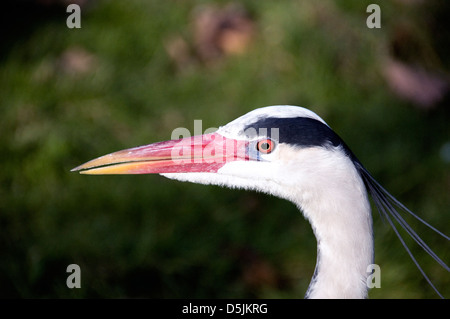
265, 146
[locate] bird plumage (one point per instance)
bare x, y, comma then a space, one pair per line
307, 163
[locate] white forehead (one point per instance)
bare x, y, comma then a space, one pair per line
235, 127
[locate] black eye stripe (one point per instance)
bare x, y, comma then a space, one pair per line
300, 131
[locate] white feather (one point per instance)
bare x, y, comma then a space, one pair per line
325, 185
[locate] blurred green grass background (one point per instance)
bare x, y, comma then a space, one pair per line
135, 71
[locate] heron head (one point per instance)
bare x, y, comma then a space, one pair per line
267, 149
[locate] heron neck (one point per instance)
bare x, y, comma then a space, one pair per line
341, 219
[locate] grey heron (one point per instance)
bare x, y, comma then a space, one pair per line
289, 152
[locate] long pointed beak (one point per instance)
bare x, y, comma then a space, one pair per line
203, 153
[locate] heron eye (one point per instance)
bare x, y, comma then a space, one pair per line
265, 146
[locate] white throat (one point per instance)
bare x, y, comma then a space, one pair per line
340, 216
326, 186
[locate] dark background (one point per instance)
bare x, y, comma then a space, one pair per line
136, 70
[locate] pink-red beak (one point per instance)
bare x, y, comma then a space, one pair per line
203, 153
